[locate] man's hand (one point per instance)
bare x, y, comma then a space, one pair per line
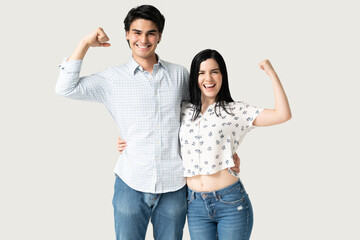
97, 38
237, 163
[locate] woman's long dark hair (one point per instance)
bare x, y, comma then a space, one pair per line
223, 97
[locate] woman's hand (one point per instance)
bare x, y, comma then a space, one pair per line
267, 67
236, 159
121, 145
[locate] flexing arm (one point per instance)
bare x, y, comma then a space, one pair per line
91, 88
97, 38
281, 113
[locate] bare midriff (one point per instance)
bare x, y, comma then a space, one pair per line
213, 182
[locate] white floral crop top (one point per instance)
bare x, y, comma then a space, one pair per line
209, 142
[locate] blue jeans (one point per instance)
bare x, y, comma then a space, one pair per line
133, 209
223, 214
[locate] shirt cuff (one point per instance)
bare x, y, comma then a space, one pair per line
72, 66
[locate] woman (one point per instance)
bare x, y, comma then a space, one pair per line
212, 127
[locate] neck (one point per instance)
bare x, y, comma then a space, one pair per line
146, 63
206, 102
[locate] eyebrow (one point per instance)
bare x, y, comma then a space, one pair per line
218, 69
150, 31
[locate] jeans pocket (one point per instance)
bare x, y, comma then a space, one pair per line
234, 197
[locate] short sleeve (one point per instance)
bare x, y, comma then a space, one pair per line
248, 112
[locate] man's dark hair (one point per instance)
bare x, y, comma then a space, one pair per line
146, 12
223, 97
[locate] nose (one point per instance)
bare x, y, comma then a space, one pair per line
208, 77
143, 38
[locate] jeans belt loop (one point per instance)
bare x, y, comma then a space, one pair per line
192, 195
215, 196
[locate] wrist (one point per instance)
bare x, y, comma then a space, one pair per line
84, 44
272, 73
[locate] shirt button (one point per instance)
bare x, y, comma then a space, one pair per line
156, 109
157, 158
156, 93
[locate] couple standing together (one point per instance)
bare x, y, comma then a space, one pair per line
158, 104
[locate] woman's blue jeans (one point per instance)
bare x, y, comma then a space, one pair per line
225, 214
134, 209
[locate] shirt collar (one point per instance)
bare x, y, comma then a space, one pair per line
134, 66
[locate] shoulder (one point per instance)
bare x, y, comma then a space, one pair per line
115, 69
114, 72
187, 105
173, 67
240, 105
186, 108
246, 110
236, 107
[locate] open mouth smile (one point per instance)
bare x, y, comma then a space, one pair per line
209, 85
142, 46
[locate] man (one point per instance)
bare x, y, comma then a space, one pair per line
144, 97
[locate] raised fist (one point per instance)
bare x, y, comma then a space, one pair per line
266, 66
97, 38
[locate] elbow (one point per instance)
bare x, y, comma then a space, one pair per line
58, 91
286, 117
61, 91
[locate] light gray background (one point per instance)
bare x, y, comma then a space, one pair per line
57, 155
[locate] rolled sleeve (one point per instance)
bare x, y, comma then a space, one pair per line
89, 88
73, 66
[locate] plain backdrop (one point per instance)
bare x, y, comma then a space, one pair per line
58, 155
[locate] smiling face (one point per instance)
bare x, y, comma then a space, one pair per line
209, 80
143, 37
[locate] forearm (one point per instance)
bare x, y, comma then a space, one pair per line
80, 51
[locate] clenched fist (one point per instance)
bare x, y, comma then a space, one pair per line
267, 67
97, 38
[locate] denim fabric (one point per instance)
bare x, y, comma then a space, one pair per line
134, 209
225, 214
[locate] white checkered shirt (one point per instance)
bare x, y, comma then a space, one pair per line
146, 108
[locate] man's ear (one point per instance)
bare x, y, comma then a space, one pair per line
159, 38
127, 35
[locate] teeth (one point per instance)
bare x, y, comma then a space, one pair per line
209, 86
142, 46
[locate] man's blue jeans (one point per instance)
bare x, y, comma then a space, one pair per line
133, 209
224, 214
